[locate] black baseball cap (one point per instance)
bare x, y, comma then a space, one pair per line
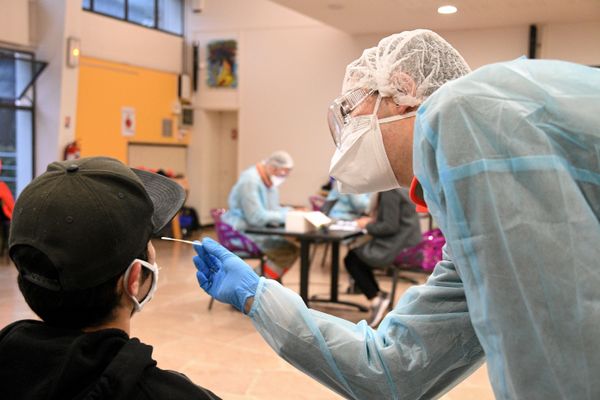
91, 217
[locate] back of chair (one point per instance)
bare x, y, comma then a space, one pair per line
424, 255
233, 240
316, 202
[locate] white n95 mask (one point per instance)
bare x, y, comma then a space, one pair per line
360, 164
277, 180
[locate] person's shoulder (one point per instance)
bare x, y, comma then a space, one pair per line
17, 326
160, 384
249, 172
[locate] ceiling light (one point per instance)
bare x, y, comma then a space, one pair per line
447, 10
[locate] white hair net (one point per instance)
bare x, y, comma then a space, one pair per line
280, 159
407, 66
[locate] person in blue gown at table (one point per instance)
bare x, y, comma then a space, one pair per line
254, 202
348, 207
506, 159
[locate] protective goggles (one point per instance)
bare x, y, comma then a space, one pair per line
146, 297
340, 109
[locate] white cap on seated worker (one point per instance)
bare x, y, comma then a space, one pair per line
278, 165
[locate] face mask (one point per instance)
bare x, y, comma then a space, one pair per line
360, 164
277, 180
138, 305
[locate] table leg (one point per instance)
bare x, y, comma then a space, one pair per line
335, 270
304, 268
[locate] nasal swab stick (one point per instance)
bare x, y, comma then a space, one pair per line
178, 240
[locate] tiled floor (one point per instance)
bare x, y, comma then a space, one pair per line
220, 349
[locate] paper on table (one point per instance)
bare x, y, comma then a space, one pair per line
344, 226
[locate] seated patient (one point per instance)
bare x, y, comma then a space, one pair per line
394, 228
80, 239
254, 202
348, 206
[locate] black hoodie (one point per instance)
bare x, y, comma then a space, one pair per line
38, 361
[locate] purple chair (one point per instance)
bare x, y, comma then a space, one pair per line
316, 202
236, 242
420, 258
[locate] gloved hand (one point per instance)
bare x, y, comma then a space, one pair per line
223, 275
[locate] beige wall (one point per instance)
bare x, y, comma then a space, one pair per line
569, 42
290, 67
56, 88
478, 47
578, 43
14, 22
112, 40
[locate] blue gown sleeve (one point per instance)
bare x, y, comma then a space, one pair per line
359, 203
255, 210
424, 347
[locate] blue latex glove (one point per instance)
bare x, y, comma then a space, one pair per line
223, 275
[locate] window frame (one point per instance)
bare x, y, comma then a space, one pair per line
31, 108
155, 25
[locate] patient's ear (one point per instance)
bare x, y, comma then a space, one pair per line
133, 280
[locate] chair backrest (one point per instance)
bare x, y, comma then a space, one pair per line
426, 254
232, 239
316, 202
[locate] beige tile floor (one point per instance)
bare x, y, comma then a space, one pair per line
220, 349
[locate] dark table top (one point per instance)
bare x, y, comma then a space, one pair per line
328, 235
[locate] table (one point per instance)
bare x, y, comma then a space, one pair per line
306, 238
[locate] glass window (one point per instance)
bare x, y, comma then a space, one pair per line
170, 16
7, 77
17, 73
141, 12
114, 8
164, 15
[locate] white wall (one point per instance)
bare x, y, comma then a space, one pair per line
570, 42
56, 88
14, 22
578, 43
290, 68
478, 47
123, 42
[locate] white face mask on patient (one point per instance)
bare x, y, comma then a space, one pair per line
360, 164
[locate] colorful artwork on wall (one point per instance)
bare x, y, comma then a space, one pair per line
222, 64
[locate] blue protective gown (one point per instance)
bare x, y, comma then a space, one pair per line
252, 203
509, 159
348, 206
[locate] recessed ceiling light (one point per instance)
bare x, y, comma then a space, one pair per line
447, 10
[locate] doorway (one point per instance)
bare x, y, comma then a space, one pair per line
219, 149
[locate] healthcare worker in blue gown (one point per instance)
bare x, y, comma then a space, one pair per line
507, 159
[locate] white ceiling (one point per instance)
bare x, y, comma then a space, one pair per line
383, 16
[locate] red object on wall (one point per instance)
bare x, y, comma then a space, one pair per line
7, 200
72, 151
